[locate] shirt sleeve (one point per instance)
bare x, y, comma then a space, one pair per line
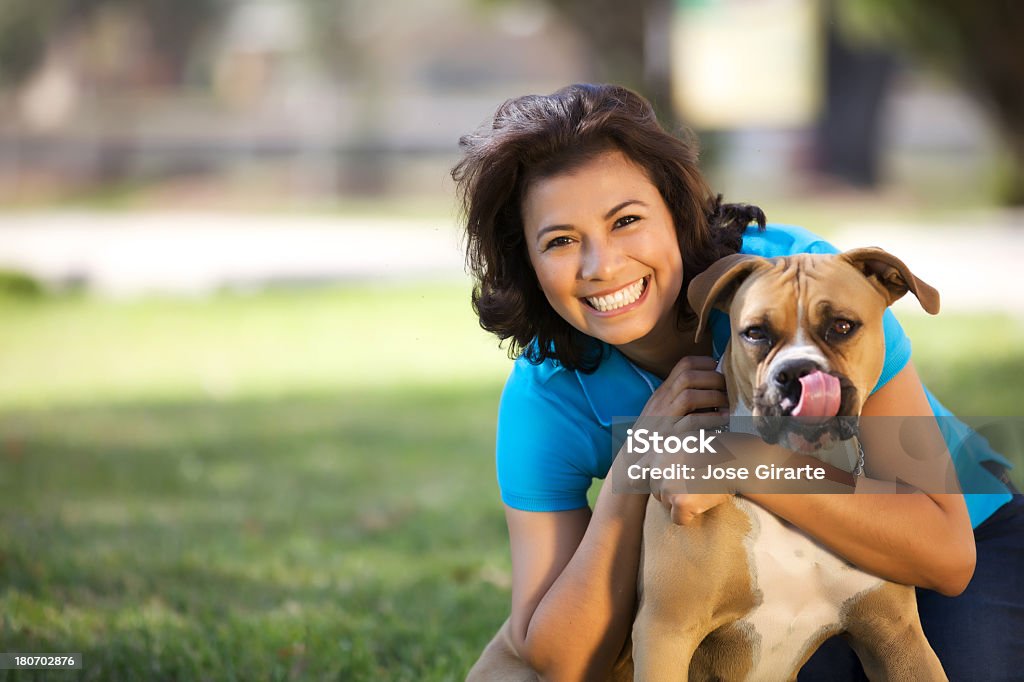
536, 440
897, 349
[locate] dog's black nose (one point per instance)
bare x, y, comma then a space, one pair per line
791, 371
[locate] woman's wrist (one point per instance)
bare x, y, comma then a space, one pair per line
623, 504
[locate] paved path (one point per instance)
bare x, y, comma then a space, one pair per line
131, 253
976, 265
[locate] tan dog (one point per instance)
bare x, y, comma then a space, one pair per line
739, 594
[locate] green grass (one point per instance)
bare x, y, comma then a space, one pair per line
294, 485
973, 363
345, 535
78, 350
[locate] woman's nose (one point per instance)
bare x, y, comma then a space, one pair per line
600, 260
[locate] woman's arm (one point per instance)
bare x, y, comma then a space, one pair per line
574, 584
574, 573
917, 539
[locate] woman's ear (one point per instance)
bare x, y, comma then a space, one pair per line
892, 277
714, 288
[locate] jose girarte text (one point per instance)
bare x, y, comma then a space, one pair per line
645, 441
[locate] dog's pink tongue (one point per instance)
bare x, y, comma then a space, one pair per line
819, 396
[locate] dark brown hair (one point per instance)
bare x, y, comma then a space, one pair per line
539, 136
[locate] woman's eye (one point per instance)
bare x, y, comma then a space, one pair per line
755, 334
558, 241
626, 220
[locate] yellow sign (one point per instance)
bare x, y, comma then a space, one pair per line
747, 63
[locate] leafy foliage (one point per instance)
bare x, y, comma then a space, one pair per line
977, 43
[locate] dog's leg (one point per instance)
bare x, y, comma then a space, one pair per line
883, 628
907, 657
726, 654
692, 580
663, 643
664, 651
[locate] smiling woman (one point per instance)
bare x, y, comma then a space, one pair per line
586, 222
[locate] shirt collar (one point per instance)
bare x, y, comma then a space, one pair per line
617, 388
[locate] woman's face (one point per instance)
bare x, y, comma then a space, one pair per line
603, 245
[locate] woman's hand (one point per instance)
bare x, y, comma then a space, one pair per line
684, 508
686, 500
693, 386
696, 392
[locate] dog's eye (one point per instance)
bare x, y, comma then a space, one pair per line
755, 334
840, 328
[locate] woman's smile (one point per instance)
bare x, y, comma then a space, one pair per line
619, 301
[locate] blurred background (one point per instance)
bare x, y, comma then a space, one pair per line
246, 412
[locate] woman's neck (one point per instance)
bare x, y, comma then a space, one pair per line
660, 350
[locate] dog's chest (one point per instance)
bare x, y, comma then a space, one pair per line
803, 588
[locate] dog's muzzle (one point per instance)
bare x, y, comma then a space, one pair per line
805, 408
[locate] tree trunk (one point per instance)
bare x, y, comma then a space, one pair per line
1011, 179
856, 83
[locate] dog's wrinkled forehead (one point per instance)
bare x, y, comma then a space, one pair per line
806, 287
867, 279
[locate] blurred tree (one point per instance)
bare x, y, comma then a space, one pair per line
175, 27
29, 27
857, 77
628, 43
978, 43
23, 32
350, 37
615, 32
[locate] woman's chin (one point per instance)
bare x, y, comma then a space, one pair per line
619, 334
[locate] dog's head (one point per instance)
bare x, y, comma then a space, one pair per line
807, 343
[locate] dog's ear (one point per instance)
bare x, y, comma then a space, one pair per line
894, 278
715, 286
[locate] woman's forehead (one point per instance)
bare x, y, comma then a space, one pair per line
594, 187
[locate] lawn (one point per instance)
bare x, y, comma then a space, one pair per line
289, 485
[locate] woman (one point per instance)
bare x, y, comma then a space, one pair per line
586, 221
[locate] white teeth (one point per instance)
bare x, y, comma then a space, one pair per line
619, 299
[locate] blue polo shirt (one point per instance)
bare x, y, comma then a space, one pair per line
554, 424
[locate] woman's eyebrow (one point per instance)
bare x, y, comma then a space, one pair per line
615, 209
551, 228
618, 207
